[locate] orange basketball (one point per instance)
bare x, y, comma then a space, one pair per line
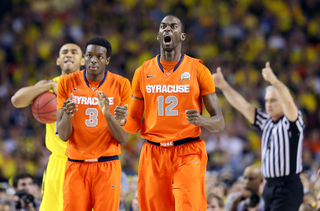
44, 108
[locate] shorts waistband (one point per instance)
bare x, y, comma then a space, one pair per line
95, 160
174, 143
279, 180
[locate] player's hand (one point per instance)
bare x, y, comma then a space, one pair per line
218, 78
103, 102
268, 74
318, 173
70, 107
121, 113
194, 117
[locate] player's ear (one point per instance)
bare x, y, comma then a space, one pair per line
158, 36
58, 62
82, 61
183, 36
108, 60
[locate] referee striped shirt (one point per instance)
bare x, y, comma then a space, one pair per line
281, 144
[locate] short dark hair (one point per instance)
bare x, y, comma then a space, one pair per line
211, 196
182, 24
20, 176
101, 42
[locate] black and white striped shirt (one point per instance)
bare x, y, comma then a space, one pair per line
281, 146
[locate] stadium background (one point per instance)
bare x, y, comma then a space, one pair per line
240, 36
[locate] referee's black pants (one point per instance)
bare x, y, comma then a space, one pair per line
283, 193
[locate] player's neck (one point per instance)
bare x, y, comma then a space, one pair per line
66, 73
93, 77
171, 56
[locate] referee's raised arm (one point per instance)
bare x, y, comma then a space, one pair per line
233, 97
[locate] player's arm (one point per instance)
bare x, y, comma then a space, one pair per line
25, 96
64, 118
114, 128
214, 123
133, 116
289, 107
233, 97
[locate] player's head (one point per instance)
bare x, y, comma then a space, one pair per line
171, 33
23, 181
70, 58
252, 178
273, 103
97, 55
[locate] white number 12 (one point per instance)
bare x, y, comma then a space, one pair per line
172, 101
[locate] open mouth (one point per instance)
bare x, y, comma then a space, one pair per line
167, 40
68, 62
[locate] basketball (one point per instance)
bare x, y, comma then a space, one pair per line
44, 108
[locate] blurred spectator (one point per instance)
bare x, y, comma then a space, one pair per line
214, 203
134, 206
25, 190
306, 207
309, 198
250, 196
6, 205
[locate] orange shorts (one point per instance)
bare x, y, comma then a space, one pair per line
173, 178
92, 185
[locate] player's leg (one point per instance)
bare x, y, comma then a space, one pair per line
76, 187
155, 179
52, 184
105, 185
189, 178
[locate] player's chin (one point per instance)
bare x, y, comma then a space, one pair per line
94, 71
168, 48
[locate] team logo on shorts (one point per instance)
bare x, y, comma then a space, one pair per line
185, 76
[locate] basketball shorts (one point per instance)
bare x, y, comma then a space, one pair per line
52, 184
90, 185
172, 178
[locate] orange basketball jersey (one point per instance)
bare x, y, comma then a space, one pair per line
168, 94
91, 138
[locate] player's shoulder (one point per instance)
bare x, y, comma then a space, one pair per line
116, 77
185, 56
73, 76
152, 61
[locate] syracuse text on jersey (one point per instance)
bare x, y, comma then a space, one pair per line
164, 88
89, 100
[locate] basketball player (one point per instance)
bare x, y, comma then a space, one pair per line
86, 103
70, 60
170, 89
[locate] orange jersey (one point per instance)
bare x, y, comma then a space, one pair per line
91, 138
168, 94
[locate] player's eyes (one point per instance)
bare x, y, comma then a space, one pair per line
162, 26
88, 55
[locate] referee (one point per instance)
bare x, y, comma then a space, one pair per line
282, 135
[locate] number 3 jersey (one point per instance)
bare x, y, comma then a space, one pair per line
91, 138
168, 94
